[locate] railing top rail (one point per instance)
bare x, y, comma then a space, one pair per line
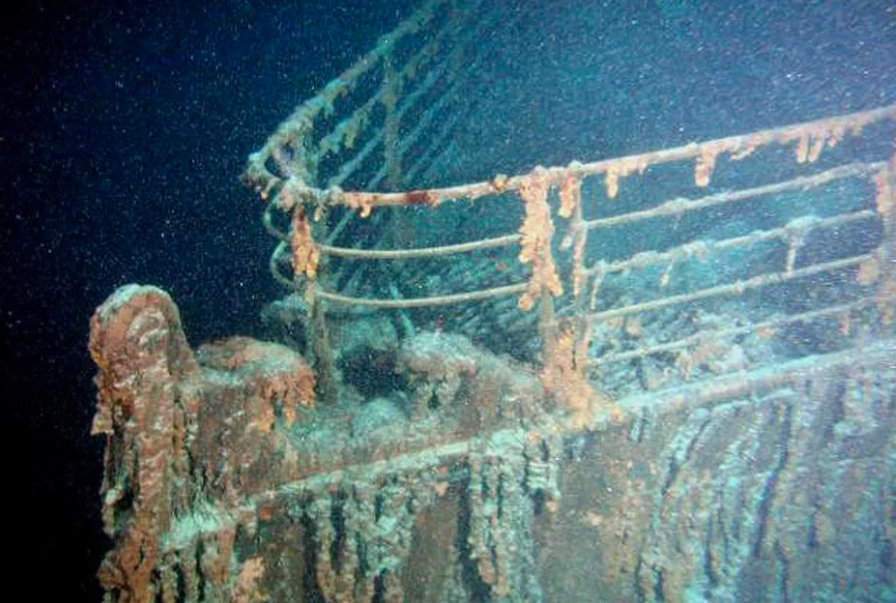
811, 137
300, 122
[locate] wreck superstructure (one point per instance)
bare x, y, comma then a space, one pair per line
658, 377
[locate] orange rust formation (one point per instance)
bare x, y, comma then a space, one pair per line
538, 231
564, 376
211, 497
570, 194
305, 253
160, 407
137, 342
269, 371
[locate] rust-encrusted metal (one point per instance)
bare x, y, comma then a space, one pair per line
673, 377
224, 483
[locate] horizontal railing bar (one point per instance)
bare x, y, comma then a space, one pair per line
334, 139
730, 332
297, 123
423, 302
759, 381
352, 165
735, 288
423, 252
699, 248
476, 190
683, 205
